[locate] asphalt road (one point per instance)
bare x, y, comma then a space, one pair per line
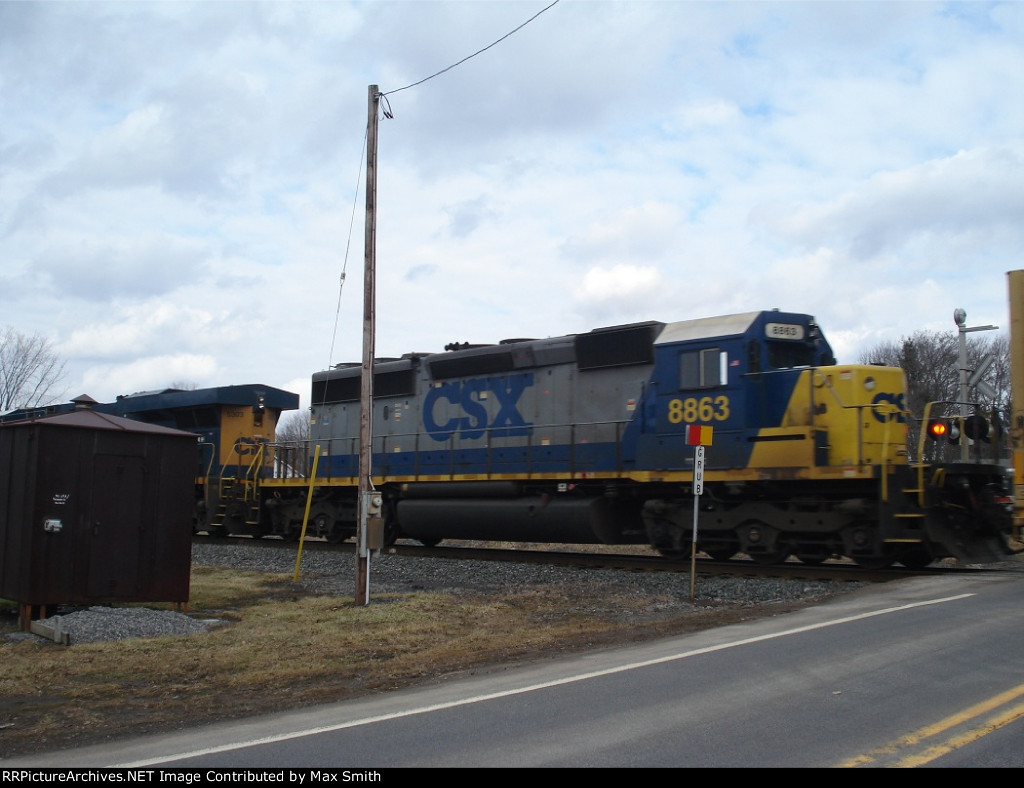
922, 672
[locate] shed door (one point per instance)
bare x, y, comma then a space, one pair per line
116, 517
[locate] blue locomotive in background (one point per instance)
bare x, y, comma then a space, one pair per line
581, 439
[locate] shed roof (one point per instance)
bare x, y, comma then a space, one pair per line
92, 419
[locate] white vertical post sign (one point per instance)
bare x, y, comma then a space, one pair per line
698, 488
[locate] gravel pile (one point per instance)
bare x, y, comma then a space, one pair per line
117, 623
333, 574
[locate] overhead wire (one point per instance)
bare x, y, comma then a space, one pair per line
348, 246
469, 57
386, 110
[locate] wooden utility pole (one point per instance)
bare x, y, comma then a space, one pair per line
366, 492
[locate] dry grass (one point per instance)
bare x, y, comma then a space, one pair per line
278, 648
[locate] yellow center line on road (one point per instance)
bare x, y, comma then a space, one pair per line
934, 751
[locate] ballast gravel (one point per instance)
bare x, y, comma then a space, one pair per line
333, 574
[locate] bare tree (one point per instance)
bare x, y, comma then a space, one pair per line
292, 439
30, 371
931, 364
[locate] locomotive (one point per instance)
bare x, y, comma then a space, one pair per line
583, 439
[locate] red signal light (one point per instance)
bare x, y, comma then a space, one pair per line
976, 428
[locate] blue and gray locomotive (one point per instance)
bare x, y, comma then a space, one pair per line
582, 439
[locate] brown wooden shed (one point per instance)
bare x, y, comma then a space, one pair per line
94, 509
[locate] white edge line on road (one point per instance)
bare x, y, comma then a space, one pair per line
529, 688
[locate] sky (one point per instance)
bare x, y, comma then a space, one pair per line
182, 183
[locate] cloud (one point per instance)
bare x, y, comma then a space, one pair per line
149, 374
974, 194
183, 184
143, 329
606, 293
82, 266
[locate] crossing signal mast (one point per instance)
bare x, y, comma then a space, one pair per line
967, 428
975, 426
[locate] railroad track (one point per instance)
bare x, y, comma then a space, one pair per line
739, 567
793, 569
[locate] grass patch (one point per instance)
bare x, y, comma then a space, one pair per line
276, 647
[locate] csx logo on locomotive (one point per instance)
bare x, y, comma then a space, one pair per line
245, 446
474, 422
892, 407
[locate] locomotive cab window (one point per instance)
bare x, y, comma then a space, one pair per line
703, 369
785, 355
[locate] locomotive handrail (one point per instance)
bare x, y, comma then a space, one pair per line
283, 469
250, 476
921, 465
489, 446
252, 473
885, 450
291, 459
204, 481
577, 435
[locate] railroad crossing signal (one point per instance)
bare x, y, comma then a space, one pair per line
976, 427
937, 428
